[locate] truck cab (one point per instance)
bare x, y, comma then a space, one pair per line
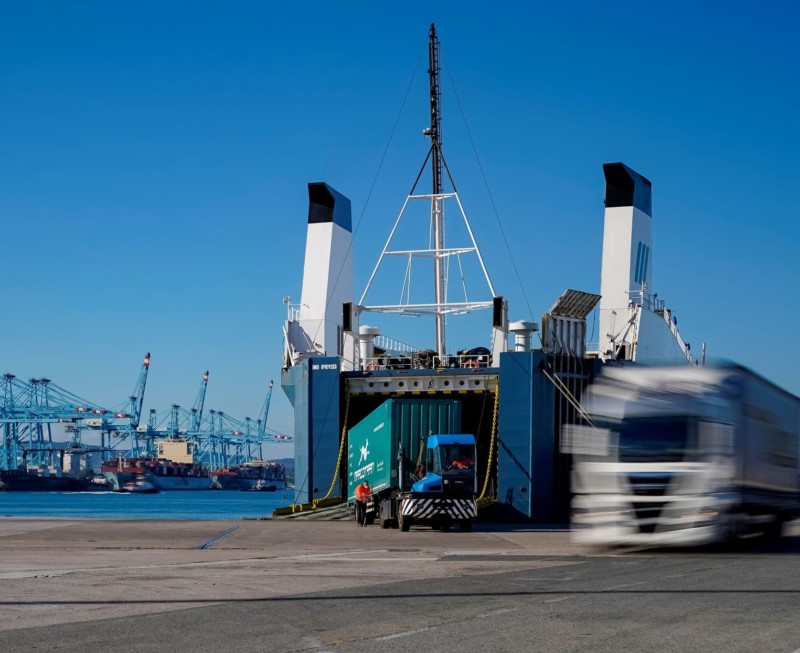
449, 465
446, 494
682, 457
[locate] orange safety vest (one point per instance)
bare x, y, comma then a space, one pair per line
362, 493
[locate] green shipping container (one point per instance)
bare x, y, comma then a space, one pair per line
373, 443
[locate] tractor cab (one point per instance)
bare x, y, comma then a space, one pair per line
449, 465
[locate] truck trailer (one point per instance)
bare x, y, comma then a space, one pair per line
409, 452
683, 456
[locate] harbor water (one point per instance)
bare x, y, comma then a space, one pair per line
164, 505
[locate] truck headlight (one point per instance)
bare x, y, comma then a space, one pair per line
708, 515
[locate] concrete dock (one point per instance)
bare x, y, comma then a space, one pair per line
64, 571
296, 585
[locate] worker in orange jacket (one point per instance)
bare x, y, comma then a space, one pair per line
363, 493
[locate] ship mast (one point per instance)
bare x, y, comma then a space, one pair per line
437, 214
437, 250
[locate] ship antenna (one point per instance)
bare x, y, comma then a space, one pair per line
435, 129
440, 287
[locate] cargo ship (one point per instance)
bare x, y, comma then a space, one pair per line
68, 470
163, 474
174, 468
516, 390
43, 479
257, 474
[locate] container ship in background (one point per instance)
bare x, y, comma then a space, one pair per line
43, 479
173, 469
72, 473
255, 475
163, 474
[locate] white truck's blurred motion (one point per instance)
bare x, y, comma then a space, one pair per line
683, 456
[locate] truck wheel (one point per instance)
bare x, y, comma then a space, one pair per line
405, 523
466, 525
735, 527
774, 530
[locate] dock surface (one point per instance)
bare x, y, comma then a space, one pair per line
328, 585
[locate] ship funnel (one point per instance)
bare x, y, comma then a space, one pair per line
315, 326
626, 276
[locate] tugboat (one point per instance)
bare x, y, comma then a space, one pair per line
140, 486
261, 486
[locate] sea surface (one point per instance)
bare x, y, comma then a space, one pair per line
200, 504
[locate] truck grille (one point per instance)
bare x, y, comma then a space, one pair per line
649, 485
647, 515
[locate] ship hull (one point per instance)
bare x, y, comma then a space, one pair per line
238, 483
167, 483
18, 481
117, 481
250, 476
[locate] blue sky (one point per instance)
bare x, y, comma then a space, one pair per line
155, 157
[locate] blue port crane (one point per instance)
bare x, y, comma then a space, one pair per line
177, 422
29, 409
114, 435
263, 433
262, 421
215, 434
137, 397
224, 441
197, 409
27, 413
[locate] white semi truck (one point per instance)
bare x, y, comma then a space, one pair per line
683, 456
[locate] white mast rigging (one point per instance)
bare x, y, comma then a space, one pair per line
439, 252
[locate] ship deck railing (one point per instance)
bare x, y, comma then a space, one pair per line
418, 361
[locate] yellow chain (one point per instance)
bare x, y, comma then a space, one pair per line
491, 443
341, 445
421, 450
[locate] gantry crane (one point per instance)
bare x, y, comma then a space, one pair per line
28, 410
197, 409
262, 420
